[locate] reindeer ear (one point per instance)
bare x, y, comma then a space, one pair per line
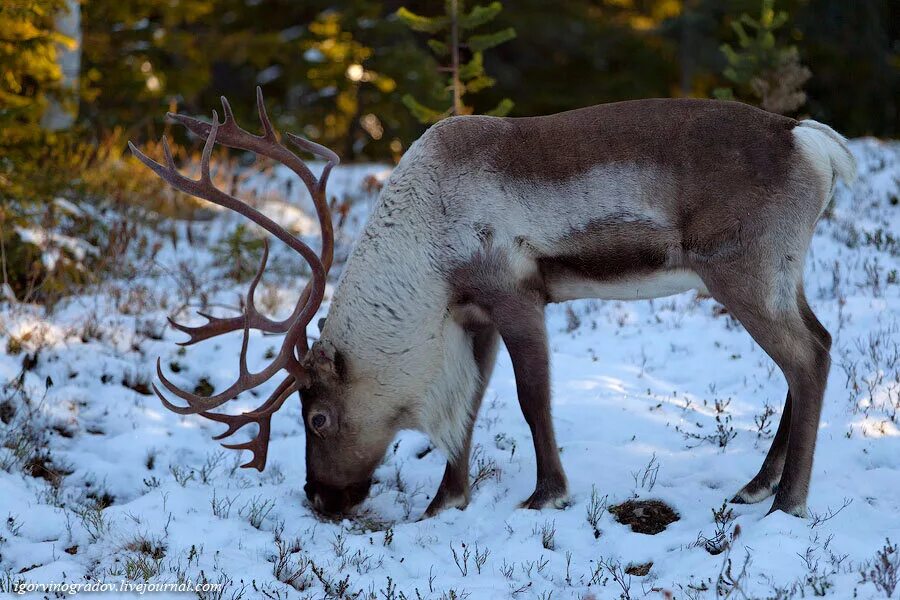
326, 361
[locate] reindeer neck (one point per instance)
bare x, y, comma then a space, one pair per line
389, 306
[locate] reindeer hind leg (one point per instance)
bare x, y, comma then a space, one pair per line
779, 319
765, 483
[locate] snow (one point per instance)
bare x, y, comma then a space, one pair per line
635, 391
53, 242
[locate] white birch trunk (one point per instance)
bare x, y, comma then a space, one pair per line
58, 116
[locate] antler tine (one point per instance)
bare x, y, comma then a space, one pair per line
258, 446
216, 325
167, 151
250, 308
205, 157
314, 148
165, 173
320, 151
269, 132
229, 114
262, 416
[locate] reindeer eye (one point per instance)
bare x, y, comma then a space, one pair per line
318, 421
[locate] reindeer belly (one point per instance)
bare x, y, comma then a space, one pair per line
617, 259
562, 286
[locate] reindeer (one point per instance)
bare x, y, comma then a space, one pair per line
484, 222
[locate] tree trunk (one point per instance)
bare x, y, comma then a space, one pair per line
454, 49
61, 114
687, 48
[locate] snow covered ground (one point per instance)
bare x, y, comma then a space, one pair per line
667, 400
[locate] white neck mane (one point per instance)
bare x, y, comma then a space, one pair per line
389, 315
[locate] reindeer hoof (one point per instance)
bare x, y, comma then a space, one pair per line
795, 510
753, 493
444, 501
547, 496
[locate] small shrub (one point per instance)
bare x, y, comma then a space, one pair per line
723, 433
137, 381
639, 570
155, 549
884, 570
547, 531
204, 387
718, 543
257, 510
239, 252
595, 510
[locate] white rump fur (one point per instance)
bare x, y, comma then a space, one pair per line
827, 150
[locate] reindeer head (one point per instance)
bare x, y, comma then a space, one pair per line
348, 430
342, 447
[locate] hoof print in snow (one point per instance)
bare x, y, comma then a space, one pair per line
639, 570
644, 516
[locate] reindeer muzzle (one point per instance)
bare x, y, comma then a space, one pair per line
333, 500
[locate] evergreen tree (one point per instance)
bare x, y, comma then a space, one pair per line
338, 73
29, 71
464, 77
761, 68
854, 50
573, 54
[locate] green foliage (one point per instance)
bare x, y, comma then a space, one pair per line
29, 73
340, 75
144, 57
465, 77
423, 24
240, 252
20, 262
762, 69
35, 266
61, 184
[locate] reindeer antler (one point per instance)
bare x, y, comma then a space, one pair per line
294, 346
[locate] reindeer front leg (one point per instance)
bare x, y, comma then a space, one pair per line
521, 325
454, 489
487, 295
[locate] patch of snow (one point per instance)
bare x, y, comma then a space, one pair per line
268, 75
314, 55
51, 243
